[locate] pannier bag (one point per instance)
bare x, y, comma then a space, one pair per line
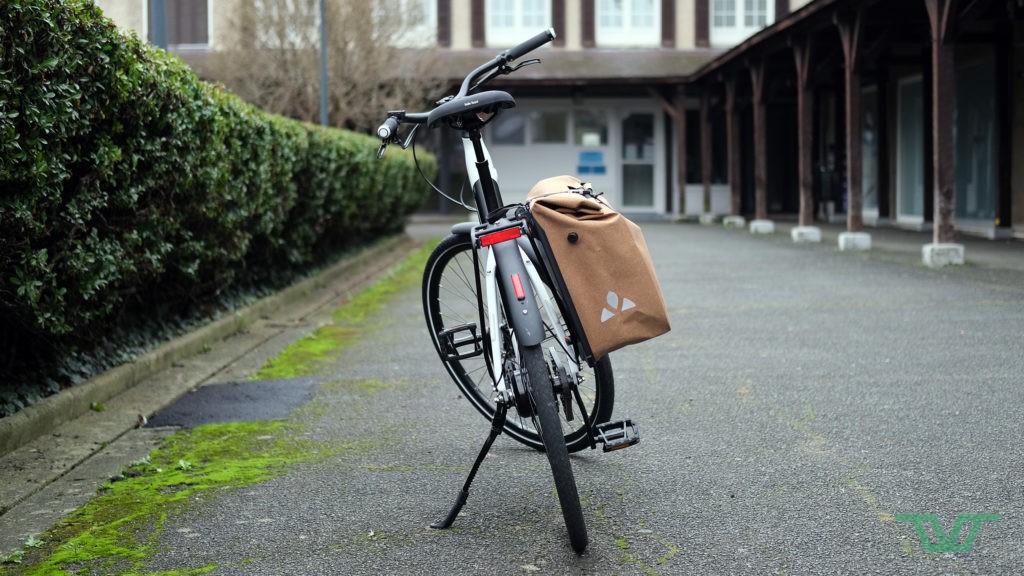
600, 258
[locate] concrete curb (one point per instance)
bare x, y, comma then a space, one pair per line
44, 416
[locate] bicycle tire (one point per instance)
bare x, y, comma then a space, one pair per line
545, 410
450, 300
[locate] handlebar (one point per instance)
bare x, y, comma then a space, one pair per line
506, 57
389, 129
530, 45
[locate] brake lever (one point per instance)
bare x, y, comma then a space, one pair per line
522, 64
504, 70
497, 72
409, 137
404, 143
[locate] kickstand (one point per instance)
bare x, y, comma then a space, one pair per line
497, 423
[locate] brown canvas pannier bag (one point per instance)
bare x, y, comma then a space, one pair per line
601, 259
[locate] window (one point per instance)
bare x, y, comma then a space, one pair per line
733, 21
548, 127
723, 14
417, 27
188, 23
628, 22
591, 128
285, 23
587, 128
509, 22
509, 128
755, 13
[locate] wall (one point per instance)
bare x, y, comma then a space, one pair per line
686, 26
127, 14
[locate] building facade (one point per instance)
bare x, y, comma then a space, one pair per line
609, 102
872, 112
885, 113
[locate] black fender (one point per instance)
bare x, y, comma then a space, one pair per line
524, 315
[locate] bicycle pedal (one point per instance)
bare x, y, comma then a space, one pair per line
455, 341
616, 435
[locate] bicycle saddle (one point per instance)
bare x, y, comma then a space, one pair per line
471, 112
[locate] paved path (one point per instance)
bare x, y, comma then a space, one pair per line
804, 399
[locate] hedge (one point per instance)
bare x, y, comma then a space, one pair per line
127, 184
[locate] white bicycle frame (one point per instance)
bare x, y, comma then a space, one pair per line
491, 293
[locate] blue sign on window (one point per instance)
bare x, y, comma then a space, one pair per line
591, 162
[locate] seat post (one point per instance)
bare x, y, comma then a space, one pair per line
488, 197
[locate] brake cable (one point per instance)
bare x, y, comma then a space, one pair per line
411, 141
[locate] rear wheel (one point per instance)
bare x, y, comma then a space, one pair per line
546, 422
450, 305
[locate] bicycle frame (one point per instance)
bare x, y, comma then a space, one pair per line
527, 325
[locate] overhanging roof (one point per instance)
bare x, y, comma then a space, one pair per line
589, 66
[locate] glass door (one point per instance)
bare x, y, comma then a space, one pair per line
975, 141
869, 150
638, 159
910, 167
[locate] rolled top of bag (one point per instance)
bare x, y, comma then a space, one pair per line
555, 185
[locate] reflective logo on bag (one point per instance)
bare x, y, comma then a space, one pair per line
615, 306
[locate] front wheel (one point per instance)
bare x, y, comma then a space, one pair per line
546, 421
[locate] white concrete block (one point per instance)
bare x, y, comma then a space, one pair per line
937, 255
806, 234
734, 222
762, 227
855, 241
708, 218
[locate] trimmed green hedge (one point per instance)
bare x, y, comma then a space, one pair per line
127, 183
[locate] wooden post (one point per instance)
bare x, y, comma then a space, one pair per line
805, 123
732, 145
680, 118
677, 110
760, 158
850, 36
941, 19
705, 146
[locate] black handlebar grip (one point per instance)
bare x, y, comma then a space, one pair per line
388, 128
530, 45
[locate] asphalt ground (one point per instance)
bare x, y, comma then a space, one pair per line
803, 402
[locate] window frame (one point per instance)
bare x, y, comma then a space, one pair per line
503, 35
628, 33
737, 30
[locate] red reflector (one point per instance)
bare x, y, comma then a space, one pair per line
517, 285
501, 236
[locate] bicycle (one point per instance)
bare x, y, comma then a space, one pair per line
501, 322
